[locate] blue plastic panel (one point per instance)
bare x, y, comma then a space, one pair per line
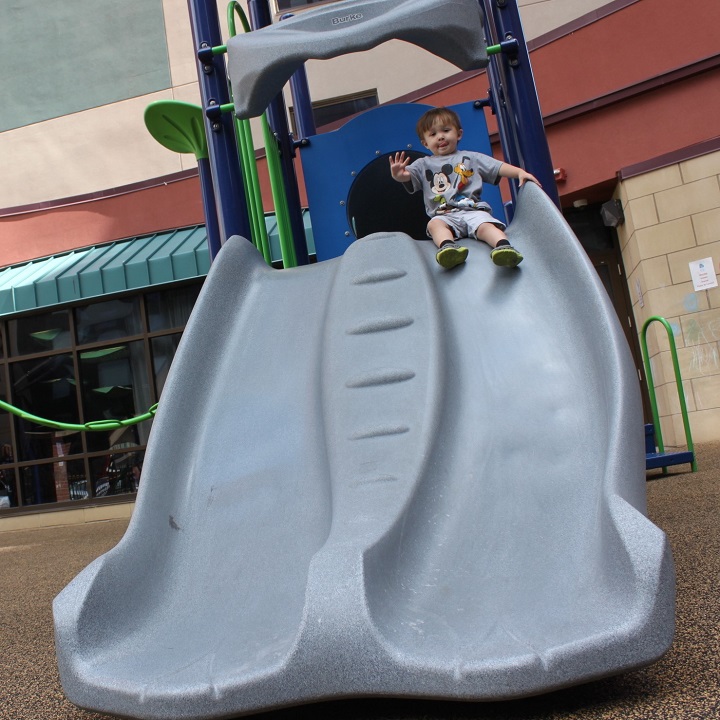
332, 161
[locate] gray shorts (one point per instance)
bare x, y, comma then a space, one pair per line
466, 222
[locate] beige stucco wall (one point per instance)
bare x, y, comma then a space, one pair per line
673, 218
108, 147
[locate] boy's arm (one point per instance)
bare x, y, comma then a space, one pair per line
510, 171
398, 167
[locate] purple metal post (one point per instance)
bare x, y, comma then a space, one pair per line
304, 119
212, 227
520, 107
232, 216
260, 16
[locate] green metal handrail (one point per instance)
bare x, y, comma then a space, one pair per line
91, 426
249, 164
246, 151
678, 382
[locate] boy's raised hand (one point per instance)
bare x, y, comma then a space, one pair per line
398, 162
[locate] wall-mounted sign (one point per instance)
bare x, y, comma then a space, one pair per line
703, 274
639, 293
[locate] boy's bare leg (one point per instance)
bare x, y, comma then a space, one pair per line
440, 232
449, 255
503, 253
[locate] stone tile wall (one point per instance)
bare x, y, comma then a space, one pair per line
672, 218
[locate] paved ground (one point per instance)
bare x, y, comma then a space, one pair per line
36, 564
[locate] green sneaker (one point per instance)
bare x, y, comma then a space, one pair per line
451, 255
506, 256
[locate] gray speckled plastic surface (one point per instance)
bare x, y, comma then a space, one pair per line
375, 477
262, 61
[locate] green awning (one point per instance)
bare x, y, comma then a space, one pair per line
130, 264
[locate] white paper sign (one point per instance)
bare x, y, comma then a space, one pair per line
703, 274
639, 292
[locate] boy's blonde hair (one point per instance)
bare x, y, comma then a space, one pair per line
443, 115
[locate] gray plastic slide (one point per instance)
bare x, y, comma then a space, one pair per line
374, 477
261, 62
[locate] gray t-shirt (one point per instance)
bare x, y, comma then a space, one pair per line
453, 182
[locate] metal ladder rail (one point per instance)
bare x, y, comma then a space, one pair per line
661, 458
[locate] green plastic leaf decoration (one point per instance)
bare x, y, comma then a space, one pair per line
178, 126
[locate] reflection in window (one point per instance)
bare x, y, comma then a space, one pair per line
334, 109
53, 482
163, 352
171, 308
5, 438
39, 333
108, 320
8, 488
115, 387
117, 473
69, 375
46, 388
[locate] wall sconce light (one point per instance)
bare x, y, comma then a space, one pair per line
612, 213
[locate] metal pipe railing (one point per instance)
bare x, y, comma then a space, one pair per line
678, 383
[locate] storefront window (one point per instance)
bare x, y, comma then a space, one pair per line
46, 387
39, 333
5, 438
171, 309
53, 482
73, 377
115, 387
117, 473
8, 488
7, 474
163, 352
108, 320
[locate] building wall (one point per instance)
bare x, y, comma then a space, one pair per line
92, 173
673, 218
72, 121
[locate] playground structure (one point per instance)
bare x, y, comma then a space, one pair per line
425, 497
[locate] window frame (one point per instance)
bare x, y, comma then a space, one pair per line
89, 458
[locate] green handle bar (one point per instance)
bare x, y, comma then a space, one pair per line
678, 382
247, 157
92, 426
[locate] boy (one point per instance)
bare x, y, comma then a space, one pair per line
451, 181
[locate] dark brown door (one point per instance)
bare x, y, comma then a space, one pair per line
603, 248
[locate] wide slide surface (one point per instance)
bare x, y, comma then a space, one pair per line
372, 476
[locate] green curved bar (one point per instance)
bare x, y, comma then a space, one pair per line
247, 153
277, 183
91, 426
678, 382
277, 186
252, 188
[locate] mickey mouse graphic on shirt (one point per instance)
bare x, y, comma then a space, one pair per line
441, 182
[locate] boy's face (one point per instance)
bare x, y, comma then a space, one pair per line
442, 138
